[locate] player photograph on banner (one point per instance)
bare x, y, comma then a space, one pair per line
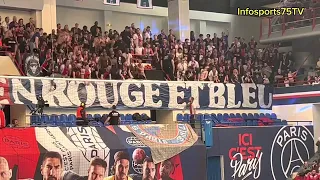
112, 2
144, 4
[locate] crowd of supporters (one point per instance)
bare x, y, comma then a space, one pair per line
90, 53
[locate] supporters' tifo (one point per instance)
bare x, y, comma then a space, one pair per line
159, 90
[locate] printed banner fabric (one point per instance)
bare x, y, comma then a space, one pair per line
74, 153
165, 141
135, 94
263, 153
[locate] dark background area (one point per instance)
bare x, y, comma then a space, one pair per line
219, 6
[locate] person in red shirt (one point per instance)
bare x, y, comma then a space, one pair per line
313, 175
2, 118
192, 112
81, 115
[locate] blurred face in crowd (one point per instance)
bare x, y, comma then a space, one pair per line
51, 169
6, 19
148, 170
96, 172
166, 167
5, 172
122, 169
14, 19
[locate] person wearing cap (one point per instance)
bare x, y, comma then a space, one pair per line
81, 115
121, 167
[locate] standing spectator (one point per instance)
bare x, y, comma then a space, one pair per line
5, 24
10, 41
13, 23
95, 29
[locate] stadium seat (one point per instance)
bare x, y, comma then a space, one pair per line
207, 117
71, 120
268, 115
273, 116
62, 120
186, 117
35, 120
220, 117
97, 117
256, 116
180, 117
262, 115
250, 116
244, 116
45, 119
232, 115
122, 117
53, 120
255, 122
199, 117
214, 118
128, 117
89, 117
238, 115
225, 117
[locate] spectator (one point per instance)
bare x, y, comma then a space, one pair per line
5, 24
10, 41
265, 79
80, 53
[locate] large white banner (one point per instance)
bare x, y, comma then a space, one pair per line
144, 4
68, 144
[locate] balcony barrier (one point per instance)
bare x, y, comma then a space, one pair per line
275, 24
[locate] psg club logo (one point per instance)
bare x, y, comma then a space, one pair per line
32, 65
89, 142
291, 147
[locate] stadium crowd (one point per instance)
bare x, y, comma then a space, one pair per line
90, 53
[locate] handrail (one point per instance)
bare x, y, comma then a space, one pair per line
13, 58
308, 18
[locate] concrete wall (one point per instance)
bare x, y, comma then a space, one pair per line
237, 25
22, 4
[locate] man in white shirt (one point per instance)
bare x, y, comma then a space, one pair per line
139, 49
5, 24
193, 63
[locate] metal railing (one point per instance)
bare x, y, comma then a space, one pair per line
272, 24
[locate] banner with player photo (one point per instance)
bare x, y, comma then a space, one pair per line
145, 4
262, 153
79, 152
112, 2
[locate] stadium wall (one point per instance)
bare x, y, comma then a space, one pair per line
48, 12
